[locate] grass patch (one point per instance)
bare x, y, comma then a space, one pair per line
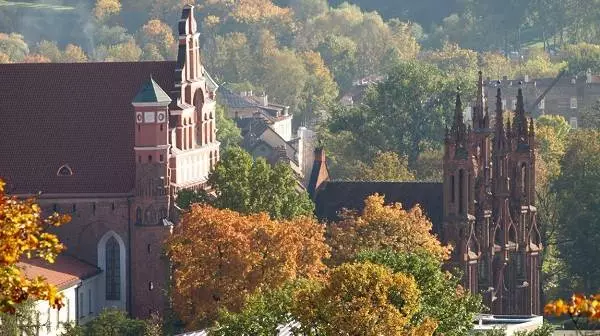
31, 5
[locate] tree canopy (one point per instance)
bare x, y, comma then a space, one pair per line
24, 235
221, 256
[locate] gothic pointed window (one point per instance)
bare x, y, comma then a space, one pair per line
113, 270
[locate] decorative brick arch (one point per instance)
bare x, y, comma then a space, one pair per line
102, 264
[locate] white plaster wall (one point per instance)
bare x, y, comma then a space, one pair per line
52, 320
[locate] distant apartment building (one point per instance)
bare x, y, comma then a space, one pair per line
570, 96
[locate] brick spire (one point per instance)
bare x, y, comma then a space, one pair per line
520, 122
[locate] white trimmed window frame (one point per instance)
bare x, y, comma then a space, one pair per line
122, 303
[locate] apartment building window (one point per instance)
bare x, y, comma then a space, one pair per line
81, 311
573, 102
573, 122
91, 311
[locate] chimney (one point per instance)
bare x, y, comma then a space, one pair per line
588, 76
286, 110
526, 78
249, 93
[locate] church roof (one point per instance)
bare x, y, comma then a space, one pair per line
151, 92
333, 196
65, 272
75, 114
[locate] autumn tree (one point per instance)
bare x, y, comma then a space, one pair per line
49, 49
24, 236
4, 58
442, 297
106, 8
35, 58
159, 34
360, 299
221, 256
14, 46
73, 54
250, 186
320, 90
381, 226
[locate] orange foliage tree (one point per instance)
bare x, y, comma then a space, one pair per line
221, 256
381, 227
580, 308
22, 234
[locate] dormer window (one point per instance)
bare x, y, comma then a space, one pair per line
64, 170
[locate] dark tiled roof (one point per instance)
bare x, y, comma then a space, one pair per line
66, 271
234, 100
151, 93
80, 114
333, 196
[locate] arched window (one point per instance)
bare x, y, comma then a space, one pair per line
113, 270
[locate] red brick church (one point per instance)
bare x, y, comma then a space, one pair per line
484, 208
111, 144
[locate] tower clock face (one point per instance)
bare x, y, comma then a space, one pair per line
160, 116
138, 117
149, 117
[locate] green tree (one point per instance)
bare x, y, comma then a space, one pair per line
22, 322
227, 133
404, 114
285, 77
248, 186
577, 188
262, 313
110, 322
339, 53
386, 166
442, 298
583, 56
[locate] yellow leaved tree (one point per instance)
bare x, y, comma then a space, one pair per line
221, 256
361, 299
581, 309
381, 227
23, 234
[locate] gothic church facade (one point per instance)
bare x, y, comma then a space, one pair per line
111, 144
489, 205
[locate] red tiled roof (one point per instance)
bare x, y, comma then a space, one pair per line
78, 114
64, 272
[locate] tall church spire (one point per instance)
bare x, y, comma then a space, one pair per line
499, 115
459, 129
520, 122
